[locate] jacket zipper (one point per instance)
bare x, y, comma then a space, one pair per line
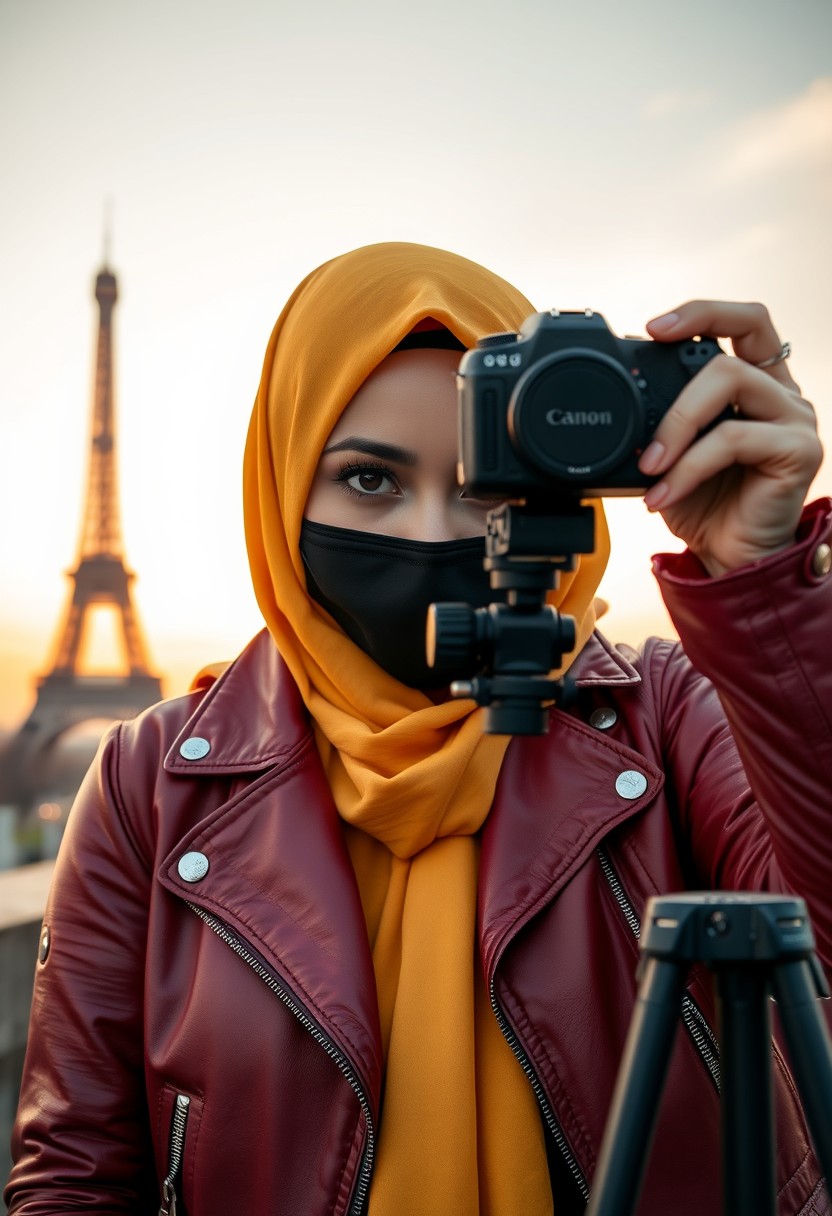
177, 1147
543, 1102
344, 1066
695, 1023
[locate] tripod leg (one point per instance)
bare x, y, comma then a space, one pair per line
749, 1181
810, 1051
638, 1090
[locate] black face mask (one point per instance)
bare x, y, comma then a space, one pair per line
378, 589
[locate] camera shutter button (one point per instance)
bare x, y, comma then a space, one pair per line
496, 339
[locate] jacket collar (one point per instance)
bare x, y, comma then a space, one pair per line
279, 872
253, 717
600, 664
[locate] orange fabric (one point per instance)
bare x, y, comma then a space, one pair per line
413, 780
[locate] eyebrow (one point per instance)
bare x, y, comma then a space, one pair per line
372, 447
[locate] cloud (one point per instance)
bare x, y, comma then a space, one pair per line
795, 135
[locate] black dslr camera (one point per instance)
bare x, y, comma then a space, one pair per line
554, 414
565, 407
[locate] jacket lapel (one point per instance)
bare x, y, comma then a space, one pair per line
278, 872
557, 797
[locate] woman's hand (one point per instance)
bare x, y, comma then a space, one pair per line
735, 494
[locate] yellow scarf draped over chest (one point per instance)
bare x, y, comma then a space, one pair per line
413, 781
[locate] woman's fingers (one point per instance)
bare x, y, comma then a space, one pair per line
749, 327
764, 447
724, 382
732, 487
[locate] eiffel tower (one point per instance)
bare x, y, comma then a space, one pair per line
66, 696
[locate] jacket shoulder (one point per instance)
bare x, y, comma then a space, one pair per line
620, 664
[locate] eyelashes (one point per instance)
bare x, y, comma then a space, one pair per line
370, 470
367, 479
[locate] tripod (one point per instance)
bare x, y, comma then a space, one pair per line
516, 644
757, 946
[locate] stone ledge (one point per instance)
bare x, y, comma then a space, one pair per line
23, 893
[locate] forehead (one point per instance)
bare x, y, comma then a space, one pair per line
409, 391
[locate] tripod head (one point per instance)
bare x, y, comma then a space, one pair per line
511, 648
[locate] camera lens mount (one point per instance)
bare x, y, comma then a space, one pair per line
575, 414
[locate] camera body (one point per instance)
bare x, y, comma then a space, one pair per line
565, 407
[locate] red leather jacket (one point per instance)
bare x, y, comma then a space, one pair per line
204, 1024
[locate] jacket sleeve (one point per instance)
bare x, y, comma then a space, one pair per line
81, 1140
761, 637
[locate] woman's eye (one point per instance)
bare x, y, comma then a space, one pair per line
367, 481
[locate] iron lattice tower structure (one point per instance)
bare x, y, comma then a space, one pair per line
65, 695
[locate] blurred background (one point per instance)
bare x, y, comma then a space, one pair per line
620, 157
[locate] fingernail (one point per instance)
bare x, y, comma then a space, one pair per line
656, 495
651, 457
665, 322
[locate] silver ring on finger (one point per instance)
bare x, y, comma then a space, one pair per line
782, 354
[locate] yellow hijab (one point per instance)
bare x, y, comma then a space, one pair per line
412, 780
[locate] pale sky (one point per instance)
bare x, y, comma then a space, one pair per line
620, 157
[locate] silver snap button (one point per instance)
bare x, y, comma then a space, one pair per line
603, 719
630, 784
822, 561
192, 866
43, 947
195, 748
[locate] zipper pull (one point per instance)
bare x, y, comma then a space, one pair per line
177, 1147
168, 1207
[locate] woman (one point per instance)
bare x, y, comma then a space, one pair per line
315, 943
